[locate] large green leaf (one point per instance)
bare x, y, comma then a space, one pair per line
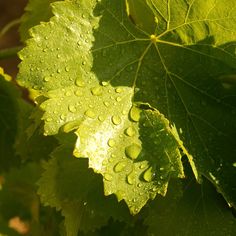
183, 69
136, 156
186, 69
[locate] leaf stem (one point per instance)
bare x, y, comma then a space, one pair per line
9, 52
8, 26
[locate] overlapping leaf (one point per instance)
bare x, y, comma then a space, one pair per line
186, 69
200, 205
136, 156
80, 208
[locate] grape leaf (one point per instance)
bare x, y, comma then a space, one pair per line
200, 205
108, 127
36, 11
186, 69
63, 173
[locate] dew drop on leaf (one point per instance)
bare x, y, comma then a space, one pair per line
108, 177
131, 178
89, 113
96, 91
104, 83
118, 99
133, 151
72, 108
68, 93
130, 131
116, 120
49, 119
68, 127
148, 174
78, 93
111, 142
106, 104
120, 166
62, 117
135, 113
46, 79
119, 90
79, 82
101, 118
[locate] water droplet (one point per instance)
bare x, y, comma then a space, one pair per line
46, 79
79, 82
68, 93
154, 189
59, 71
72, 108
116, 120
67, 69
139, 185
131, 178
78, 93
148, 174
119, 90
133, 151
63, 117
96, 91
72, 125
135, 113
90, 113
49, 119
83, 63
130, 131
106, 104
101, 118
118, 99
120, 166
111, 142
104, 83
142, 166
108, 177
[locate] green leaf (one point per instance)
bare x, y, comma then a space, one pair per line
8, 121
185, 69
85, 208
110, 133
199, 211
36, 11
